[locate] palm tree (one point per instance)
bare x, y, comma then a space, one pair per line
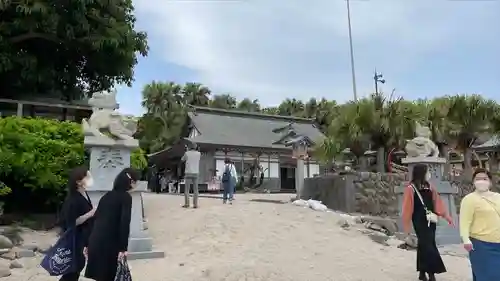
469, 116
165, 115
196, 94
224, 101
249, 105
374, 123
291, 107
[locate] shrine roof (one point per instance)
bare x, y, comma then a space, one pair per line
493, 144
249, 129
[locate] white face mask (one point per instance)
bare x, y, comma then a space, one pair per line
482, 185
427, 176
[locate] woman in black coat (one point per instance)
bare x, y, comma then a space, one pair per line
77, 212
109, 239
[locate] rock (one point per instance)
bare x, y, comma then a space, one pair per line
358, 219
13, 233
411, 241
43, 248
15, 264
4, 270
343, 223
24, 253
379, 238
11, 255
31, 247
373, 226
5, 242
3, 251
388, 224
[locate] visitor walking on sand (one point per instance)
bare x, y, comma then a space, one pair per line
422, 206
229, 178
108, 242
191, 159
77, 212
480, 227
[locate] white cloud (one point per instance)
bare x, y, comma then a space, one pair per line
272, 49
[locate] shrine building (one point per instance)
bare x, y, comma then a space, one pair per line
250, 140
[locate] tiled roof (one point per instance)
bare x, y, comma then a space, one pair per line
492, 143
236, 128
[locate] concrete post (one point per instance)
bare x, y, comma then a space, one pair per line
299, 177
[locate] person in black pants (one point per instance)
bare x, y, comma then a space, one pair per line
77, 212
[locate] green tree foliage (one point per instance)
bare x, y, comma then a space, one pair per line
381, 123
35, 158
67, 48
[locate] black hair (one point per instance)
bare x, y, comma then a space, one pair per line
193, 146
481, 171
76, 175
124, 179
418, 175
227, 160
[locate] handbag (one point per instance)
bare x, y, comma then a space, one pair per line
60, 259
123, 271
431, 216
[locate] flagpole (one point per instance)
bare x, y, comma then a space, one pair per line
353, 72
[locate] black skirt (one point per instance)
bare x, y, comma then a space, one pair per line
428, 256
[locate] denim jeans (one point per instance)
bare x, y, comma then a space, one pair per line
228, 192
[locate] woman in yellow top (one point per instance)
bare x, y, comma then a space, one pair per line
480, 228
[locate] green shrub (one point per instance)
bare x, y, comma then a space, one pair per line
35, 158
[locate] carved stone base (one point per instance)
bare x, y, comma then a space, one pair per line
142, 248
93, 141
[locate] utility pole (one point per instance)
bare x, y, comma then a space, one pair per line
353, 72
378, 78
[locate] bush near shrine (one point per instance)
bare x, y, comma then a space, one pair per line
36, 156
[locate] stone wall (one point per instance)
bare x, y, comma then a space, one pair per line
370, 193
375, 193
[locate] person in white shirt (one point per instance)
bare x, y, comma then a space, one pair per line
192, 169
229, 179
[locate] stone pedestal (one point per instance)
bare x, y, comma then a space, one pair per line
445, 234
107, 159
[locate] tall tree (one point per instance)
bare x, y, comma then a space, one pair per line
196, 94
165, 115
67, 49
470, 116
249, 105
224, 101
291, 107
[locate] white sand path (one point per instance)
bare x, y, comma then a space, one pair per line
263, 241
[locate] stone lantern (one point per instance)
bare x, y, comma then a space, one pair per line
300, 145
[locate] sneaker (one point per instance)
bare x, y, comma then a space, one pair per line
185, 206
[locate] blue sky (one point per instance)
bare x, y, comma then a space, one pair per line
274, 49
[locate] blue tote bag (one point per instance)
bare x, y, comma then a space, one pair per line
61, 258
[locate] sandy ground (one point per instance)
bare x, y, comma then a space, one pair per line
261, 241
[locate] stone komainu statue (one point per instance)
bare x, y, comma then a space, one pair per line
105, 121
421, 145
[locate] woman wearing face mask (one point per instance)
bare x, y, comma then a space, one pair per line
480, 228
77, 212
422, 206
109, 239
